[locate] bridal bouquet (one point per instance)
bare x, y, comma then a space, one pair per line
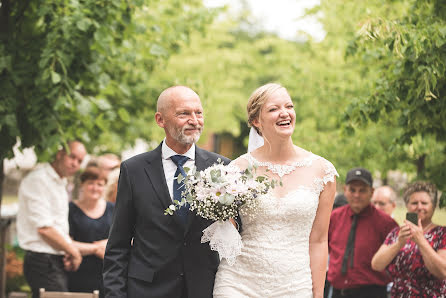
219, 193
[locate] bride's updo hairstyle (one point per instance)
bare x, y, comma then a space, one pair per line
257, 100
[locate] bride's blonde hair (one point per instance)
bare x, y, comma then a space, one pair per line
257, 100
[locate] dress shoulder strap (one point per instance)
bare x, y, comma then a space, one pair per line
328, 175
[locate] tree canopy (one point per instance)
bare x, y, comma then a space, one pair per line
79, 69
369, 94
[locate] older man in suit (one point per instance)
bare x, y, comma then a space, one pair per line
166, 257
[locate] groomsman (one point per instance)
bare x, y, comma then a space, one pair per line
356, 232
150, 254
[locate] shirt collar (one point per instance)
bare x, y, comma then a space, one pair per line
167, 152
366, 211
53, 174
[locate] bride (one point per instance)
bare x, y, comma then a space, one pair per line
285, 243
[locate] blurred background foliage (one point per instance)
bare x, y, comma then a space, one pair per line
371, 93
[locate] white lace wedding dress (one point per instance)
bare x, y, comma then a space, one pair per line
275, 259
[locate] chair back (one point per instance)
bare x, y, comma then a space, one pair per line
44, 294
17, 295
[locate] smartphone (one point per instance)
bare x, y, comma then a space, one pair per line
412, 217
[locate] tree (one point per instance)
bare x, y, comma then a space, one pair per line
79, 69
409, 53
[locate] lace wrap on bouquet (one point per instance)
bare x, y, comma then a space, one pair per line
224, 238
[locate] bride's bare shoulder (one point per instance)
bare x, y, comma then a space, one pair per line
242, 162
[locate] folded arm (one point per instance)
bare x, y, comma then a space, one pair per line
72, 255
96, 248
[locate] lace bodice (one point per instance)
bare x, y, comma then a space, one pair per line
275, 258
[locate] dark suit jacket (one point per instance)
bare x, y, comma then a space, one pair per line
164, 256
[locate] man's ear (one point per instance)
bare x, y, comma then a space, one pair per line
60, 154
159, 119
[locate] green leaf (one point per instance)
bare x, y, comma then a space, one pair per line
158, 50
103, 104
100, 122
180, 178
124, 115
83, 24
55, 77
5, 63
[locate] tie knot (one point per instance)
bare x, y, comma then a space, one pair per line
179, 160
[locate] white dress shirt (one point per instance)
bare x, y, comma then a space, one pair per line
43, 202
170, 167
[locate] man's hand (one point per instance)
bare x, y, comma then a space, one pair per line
72, 259
53, 237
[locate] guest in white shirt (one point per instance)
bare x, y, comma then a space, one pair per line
42, 221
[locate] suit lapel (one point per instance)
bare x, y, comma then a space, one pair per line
155, 171
202, 162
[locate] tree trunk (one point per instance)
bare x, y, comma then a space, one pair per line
4, 18
421, 165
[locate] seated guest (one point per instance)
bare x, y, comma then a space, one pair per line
415, 255
90, 219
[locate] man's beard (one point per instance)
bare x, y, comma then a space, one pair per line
179, 136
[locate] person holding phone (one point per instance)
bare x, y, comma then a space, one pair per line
415, 254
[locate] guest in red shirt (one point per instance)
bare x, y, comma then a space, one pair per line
356, 232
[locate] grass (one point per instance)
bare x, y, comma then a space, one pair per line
439, 217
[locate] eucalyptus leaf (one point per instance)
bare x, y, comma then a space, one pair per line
180, 178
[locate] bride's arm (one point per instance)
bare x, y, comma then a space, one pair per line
319, 239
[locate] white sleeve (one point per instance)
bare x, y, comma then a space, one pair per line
33, 193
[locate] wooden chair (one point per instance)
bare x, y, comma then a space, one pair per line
44, 294
17, 295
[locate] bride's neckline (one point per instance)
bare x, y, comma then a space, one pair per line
284, 169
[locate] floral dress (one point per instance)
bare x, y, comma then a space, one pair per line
410, 276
